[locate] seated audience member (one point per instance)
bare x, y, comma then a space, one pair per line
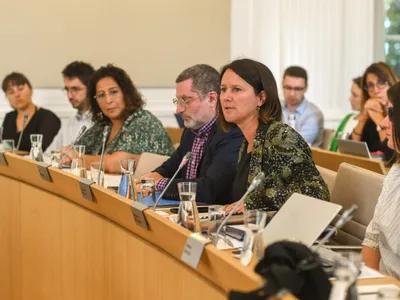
249, 99
381, 246
76, 77
214, 152
18, 91
377, 79
350, 121
309, 120
115, 102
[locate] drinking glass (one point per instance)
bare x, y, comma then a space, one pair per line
36, 152
78, 166
55, 158
96, 168
188, 214
147, 188
126, 186
8, 145
216, 214
347, 267
254, 223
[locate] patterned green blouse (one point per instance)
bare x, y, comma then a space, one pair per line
286, 160
141, 132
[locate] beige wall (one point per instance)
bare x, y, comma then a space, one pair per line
151, 39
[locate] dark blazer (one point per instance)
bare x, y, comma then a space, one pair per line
216, 170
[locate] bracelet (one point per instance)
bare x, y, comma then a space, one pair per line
356, 133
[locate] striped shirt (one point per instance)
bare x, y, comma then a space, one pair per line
383, 232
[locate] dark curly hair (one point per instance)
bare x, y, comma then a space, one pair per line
133, 99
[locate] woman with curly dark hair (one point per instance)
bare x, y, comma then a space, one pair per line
116, 102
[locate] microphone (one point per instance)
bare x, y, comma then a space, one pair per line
346, 216
260, 177
183, 163
106, 132
80, 134
26, 115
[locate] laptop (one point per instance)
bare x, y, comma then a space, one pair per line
301, 219
353, 147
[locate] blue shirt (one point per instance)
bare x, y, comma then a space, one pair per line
309, 122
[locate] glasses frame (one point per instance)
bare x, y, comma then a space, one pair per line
73, 90
182, 101
112, 93
380, 84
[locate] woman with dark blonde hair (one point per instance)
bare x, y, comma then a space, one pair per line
376, 81
249, 99
381, 246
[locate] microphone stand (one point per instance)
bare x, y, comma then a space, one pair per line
80, 135
256, 181
185, 160
105, 135
22, 131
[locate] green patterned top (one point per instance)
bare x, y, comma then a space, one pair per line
286, 160
141, 132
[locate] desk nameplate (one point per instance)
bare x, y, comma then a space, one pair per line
44, 171
138, 214
86, 191
3, 160
194, 249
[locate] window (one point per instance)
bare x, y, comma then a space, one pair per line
392, 34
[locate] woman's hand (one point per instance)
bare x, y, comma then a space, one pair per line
373, 105
240, 208
68, 159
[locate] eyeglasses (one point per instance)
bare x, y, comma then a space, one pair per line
73, 90
390, 113
182, 101
296, 89
371, 86
111, 94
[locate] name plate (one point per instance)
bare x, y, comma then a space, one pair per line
3, 160
138, 214
44, 171
194, 249
86, 190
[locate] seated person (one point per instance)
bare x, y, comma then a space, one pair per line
350, 121
377, 79
76, 77
381, 246
308, 119
214, 152
18, 91
116, 102
249, 99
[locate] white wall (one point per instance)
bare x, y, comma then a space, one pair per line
332, 39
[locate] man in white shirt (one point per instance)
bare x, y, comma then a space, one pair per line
298, 112
76, 77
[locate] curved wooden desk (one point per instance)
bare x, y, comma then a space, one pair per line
56, 245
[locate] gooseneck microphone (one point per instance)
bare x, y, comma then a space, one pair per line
254, 184
78, 137
183, 163
346, 216
26, 115
106, 132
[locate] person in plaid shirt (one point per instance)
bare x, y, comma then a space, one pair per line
214, 152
